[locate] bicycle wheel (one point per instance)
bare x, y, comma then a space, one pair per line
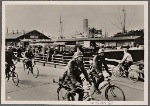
133, 76
62, 94
35, 71
25, 69
114, 93
116, 72
8, 76
15, 78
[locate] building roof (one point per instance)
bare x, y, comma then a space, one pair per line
99, 39
13, 36
19, 34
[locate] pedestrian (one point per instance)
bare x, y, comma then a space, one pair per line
54, 54
51, 52
19, 51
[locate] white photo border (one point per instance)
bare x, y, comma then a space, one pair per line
144, 3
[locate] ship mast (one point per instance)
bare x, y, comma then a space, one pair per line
61, 35
7, 29
124, 20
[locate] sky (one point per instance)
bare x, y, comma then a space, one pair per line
46, 18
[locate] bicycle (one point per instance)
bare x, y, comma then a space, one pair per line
133, 74
118, 71
63, 92
12, 74
110, 91
32, 68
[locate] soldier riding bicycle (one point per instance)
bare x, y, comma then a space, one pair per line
75, 68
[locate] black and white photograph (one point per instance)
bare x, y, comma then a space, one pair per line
74, 52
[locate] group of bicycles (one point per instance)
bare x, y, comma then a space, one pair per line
112, 92
32, 68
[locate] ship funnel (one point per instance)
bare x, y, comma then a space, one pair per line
85, 28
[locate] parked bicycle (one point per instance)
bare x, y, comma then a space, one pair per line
132, 74
31, 68
12, 74
112, 92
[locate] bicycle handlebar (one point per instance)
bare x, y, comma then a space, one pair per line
108, 78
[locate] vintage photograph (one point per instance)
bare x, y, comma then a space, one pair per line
93, 52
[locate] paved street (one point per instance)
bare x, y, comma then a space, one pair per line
43, 88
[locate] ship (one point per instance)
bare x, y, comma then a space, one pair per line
131, 33
124, 32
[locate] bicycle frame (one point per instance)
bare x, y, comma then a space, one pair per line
108, 85
122, 67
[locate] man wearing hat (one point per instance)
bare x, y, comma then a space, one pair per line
75, 68
98, 61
